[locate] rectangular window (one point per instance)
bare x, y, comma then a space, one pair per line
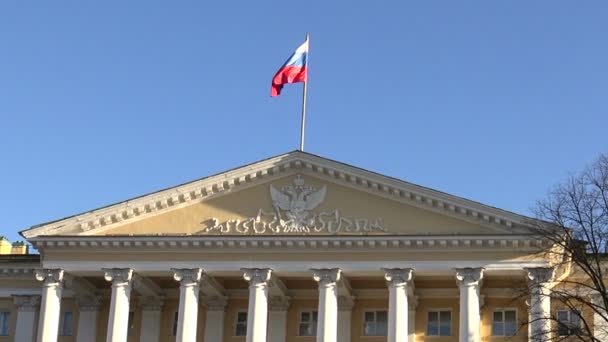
308, 323
504, 323
5, 317
65, 328
375, 323
439, 323
568, 323
175, 320
241, 324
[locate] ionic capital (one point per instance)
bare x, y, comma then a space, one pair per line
278, 303
256, 276
540, 275
50, 277
469, 276
26, 303
88, 303
346, 303
187, 276
326, 276
398, 276
216, 303
151, 303
118, 276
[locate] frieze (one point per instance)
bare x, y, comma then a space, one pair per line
293, 205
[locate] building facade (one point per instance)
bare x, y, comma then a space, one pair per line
294, 248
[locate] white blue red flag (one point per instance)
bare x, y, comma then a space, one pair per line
293, 71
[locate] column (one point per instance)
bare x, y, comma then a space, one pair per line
469, 282
277, 326
27, 308
345, 314
257, 313
328, 303
398, 280
88, 309
214, 323
600, 326
118, 321
539, 316
151, 308
189, 279
50, 305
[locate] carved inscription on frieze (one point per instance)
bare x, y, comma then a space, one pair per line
293, 207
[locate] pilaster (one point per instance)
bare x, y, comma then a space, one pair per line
214, 324
27, 310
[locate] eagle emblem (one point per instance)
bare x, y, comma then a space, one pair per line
297, 200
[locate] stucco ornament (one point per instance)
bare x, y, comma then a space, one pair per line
293, 206
297, 200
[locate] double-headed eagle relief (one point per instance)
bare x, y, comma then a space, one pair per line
294, 206
297, 200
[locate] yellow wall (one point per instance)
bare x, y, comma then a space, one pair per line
234, 306
357, 320
293, 319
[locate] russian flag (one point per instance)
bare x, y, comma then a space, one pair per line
293, 71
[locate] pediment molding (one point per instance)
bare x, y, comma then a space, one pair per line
99, 220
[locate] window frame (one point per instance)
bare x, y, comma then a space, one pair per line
8, 321
569, 327
439, 310
503, 310
375, 312
315, 324
62, 326
236, 323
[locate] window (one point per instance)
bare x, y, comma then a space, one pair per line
568, 323
504, 323
130, 324
439, 323
308, 323
241, 324
175, 320
65, 328
5, 317
375, 323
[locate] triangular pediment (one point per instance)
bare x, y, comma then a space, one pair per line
292, 194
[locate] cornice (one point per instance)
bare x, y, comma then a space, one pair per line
250, 175
446, 243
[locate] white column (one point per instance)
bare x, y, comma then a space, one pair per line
600, 325
398, 280
345, 315
27, 308
277, 319
257, 313
118, 321
327, 326
214, 323
539, 316
151, 308
88, 309
469, 282
411, 318
187, 316
50, 305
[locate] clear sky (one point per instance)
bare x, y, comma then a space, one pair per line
101, 101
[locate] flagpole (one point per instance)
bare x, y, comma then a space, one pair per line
305, 88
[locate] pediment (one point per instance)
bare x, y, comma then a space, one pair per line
293, 194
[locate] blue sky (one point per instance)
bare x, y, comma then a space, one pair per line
102, 101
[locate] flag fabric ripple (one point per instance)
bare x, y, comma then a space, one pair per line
293, 71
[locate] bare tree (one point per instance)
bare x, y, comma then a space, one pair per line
574, 217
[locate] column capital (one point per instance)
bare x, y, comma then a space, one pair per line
151, 303
26, 303
88, 303
398, 276
256, 275
118, 276
346, 303
539, 275
469, 276
187, 276
279, 303
50, 276
216, 303
326, 276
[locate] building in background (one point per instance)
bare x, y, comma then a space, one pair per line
293, 248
